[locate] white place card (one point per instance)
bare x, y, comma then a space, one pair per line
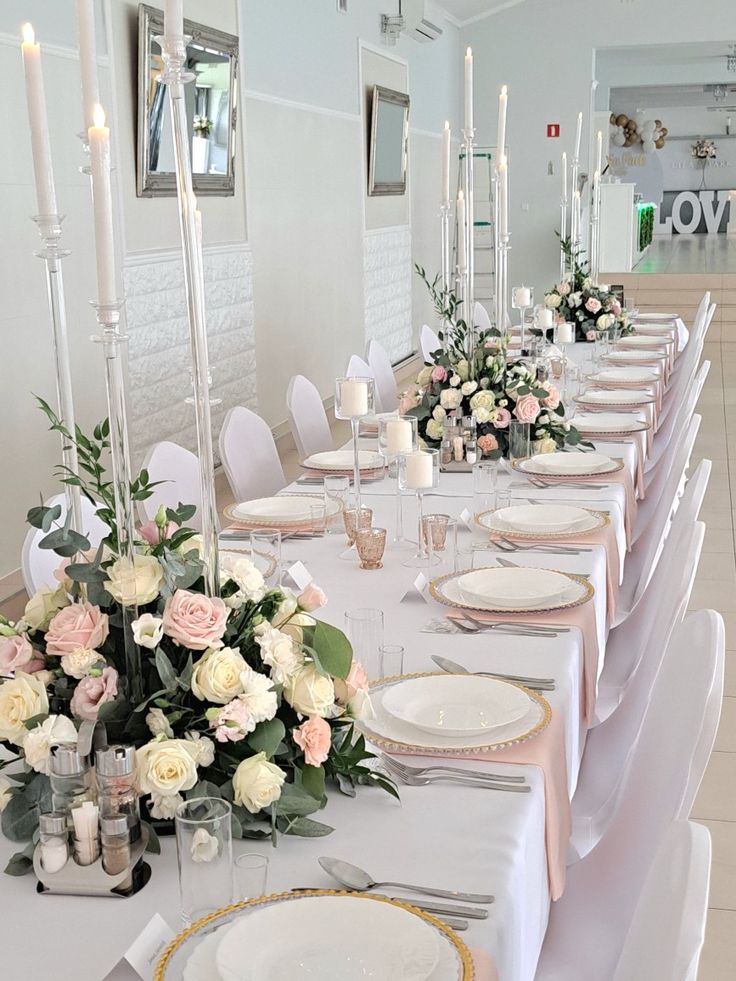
140, 959
417, 590
466, 517
300, 575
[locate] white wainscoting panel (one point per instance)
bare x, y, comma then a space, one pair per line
159, 358
387, 289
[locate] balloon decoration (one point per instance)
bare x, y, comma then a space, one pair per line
627, 131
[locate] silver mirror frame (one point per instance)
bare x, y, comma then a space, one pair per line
400, 99
148, 183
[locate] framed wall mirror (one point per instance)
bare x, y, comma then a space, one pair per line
388, 147
211, 102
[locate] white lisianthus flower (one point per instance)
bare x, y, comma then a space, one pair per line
166, 766
587, 283
43, 606
481, 415
248, 579
148, 631
468, 388
21, 698
80, 662
485, 383
257, 783
434, 429
37, 744
216, 675
258, 695
552, 300
204, 846
141, 585
439, 413
158, 724
455, 380
164, 806
203, 748
279, 652
450, 398
542, 420
425, 376
6, 792
310, 693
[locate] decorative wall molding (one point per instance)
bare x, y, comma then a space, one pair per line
277, 100
53, 50
387, 289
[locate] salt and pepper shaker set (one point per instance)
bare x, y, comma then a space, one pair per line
459, 440
98, 808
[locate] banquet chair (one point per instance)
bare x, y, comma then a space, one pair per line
668, 927
380, 366
674, 424
429, 342
589, 924
481, 319
309, 425
249, 455
679, 381
177, 469
38, 564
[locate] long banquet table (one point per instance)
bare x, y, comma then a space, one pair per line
445, 835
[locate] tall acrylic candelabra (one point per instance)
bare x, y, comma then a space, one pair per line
354, 400
445, 261
469, 183
563, 235
174, 76
49, 228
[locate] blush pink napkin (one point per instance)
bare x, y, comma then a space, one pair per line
485, 969
621, 476
640, 440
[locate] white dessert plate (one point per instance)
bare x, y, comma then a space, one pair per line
569, 464
287, 508
446, 589
608, 422
343, 460
645, 340
656, 315
627, 375
655, 330
513, 589
634, 356
616, 396
530, 519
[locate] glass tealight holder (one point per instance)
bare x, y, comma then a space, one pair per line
434, 531
354, 400
397, 434
266, 541
356, 519
318, 519
522, 298
204, 849
370, 544
419, 472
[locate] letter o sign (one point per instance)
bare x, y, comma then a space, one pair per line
679, 225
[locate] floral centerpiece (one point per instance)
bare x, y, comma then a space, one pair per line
578, 300
246, 695
704, 150
201, 125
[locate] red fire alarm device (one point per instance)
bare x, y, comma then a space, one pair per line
553, 130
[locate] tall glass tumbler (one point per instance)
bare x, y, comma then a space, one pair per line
204, 848
364, 630
519, 439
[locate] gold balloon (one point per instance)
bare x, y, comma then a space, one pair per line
659, 143
658, 124
664, 131
612, 119
622, 120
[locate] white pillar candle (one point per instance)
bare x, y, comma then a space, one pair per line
40, 144
419, 470
174, 18
353, 398
398, 436
503, 197
501, 134
523, 296
578, 136
565, 333
564, 181
545, 317
461, 256
99, 148
469, 89
87, 59
446, 146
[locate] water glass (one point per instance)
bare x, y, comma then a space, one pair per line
204, 849
391, 660
600, 347
519, 437
251, 876
371, 544
268, 543
485, 478
337, 491
318, 518
364, 630
356, 519
503, 498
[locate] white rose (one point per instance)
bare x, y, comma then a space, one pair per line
37, 744
435, 429
463, 369
310, 693
552, 300
6, 792
605, 321
257, 783
258, 695
439, 413
204, 846
202, 747
455, 380
450, 398
166, 766
216, 675
164, 806
139, 585
158, 724
148, 631
20, 698
279, 652
248, 579
468, 388
481, 415
482, 400
79, 663
546, 445
43, 606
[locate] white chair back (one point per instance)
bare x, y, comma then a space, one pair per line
668, 927
429, 342
358, 368
309, 425
380, 365
700, 314
481, 319
249, 455
38, 564
709, 319
178, 470
665, 442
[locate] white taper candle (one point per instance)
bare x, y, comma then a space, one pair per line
564, 179
578, 136
40, 143
503, 197
174, 18
99, 148
87, 59
503, 101
469, 89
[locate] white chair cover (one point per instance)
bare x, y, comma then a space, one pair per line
589, 923
429, 342
481, 319
38, 564
380, 366
249, 455
668, 927
675, 423
309, 425
178, 469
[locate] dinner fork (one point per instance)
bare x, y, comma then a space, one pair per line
470, 626
427, 780
556, 549
420, 771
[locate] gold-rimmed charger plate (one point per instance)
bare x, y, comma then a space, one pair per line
639, 427
173, 960
280, 523
436, 592
597, 403
596, 477
648, 357
603, 519
538, 719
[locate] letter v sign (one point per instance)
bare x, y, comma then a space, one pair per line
713, 218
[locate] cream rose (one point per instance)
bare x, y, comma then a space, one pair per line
450, 398
257, 783
310, 692
463, 370
439, 413
43, 606
37, 744
552, 300
468, 388
166, 766
20, 698
425, 376
216, 675
435, 429
139, 585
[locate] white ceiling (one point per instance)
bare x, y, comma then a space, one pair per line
465, 11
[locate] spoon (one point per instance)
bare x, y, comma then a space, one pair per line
355, 878
452, 667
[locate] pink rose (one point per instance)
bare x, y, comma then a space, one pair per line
553, 399
616, 308
312, 598
503, 418
357, 680
563, 289
590, 335
527, 408
195, 620
491, 343
314, 737
439, 374
487, 443
592, 304
17, 652
151, 533
91, 692
78, 625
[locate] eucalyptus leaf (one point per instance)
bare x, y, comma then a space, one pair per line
165, 670
305, 827
313, 780
153, 845
20, 818
267, 736
295, 802
333, 647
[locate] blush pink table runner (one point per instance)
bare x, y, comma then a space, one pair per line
485, 969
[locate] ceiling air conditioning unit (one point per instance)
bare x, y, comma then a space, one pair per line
415, 24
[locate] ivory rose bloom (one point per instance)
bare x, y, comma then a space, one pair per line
450, 398
195, 620
435, 429
439, 414
314, 737
309, 692
503, 418
216, 675
43, 606
481, 415
463, 369
148, 631
527, 408
257, 783
546, 445
16, 651
165, 766
425, 376
37, 744
312, 598
140, 585
79, 663
77, 625
482, 400
592, 305
552, 300
20, 698
91, 693
467, 388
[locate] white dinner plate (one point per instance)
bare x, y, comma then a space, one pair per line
566, 464
446, 590
655, 330
607, 422
645, 340
634, 356
456, 704
325, 937
545, 519
343, 460
656, 316
616, 396
513, 589
642, 376
287, 508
